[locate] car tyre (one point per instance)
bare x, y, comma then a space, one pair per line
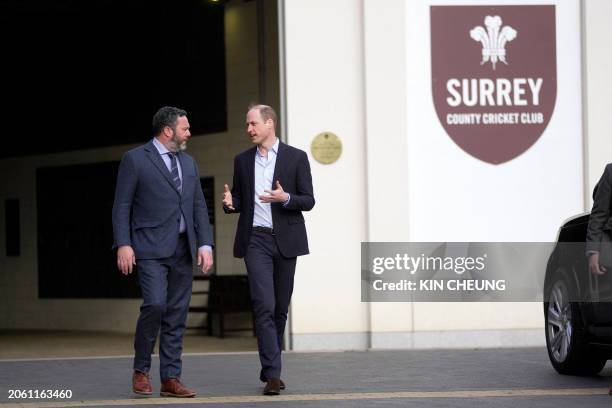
566, 338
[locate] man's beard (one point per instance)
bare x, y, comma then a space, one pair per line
176, 144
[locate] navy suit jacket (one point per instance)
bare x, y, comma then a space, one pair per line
600, 219
148, 207
292, 169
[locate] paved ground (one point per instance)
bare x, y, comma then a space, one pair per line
36, 344
438, 378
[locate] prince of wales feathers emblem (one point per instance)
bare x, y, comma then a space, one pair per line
493, 39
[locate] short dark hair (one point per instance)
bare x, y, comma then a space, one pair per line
166, 116
266, 112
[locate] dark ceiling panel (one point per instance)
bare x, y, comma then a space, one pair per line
87, 74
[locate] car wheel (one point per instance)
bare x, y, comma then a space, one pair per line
566, 340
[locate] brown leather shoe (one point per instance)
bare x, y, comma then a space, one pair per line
141, 383
272, 387
282, 384
174, 388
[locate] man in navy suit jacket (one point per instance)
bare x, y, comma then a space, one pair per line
272, 185
160, 224
600, 223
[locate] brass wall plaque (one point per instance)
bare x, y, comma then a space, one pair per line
326, 148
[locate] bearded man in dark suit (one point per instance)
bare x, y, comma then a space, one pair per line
160, 225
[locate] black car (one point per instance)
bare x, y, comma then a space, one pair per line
577, 305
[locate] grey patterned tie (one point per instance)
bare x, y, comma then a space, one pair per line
174, 172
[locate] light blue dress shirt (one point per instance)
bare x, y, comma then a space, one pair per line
264, 180
163, 151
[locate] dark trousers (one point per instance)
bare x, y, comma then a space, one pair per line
166, 291
271, 285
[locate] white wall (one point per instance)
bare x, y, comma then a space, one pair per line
369, 80
325, 92
454, 197
598, 88
387, 147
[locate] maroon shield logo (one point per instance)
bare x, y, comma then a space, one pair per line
494, 76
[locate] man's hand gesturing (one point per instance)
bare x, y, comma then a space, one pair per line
227, 198
275, 196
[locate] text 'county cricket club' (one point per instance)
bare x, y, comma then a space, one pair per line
494, 76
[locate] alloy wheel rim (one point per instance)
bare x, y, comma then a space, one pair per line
559, 323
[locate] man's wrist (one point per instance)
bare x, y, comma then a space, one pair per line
206, 248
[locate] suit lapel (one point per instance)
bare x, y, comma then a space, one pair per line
278, 166
155, 157
251, 172
182, 158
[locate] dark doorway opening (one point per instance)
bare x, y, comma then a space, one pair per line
75, 233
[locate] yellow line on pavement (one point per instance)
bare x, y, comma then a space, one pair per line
238, 399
